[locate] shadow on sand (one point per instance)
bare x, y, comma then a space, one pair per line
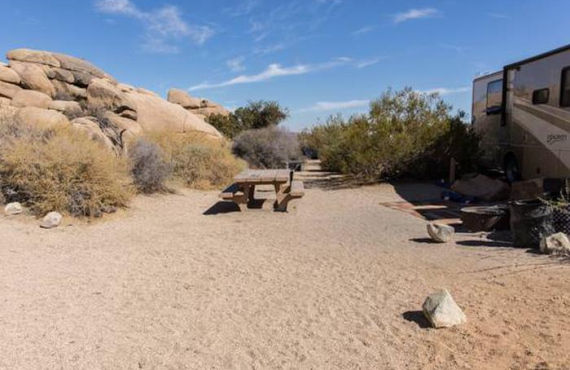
223, 207
417, 317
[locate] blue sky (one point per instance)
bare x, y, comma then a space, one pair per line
315, 57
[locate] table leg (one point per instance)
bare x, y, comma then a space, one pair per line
242, 200
251, 193
280, 195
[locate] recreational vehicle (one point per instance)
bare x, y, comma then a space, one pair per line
523, 116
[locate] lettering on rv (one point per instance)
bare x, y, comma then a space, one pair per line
553, 139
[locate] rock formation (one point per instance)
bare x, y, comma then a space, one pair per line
52, 89
200, 107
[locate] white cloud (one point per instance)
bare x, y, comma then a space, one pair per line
243, 8
363, 30
448, 91
269, 49
326, 106
368, 62
164, 25
236, 64
415, 14
273, 71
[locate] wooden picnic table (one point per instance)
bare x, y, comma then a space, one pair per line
248, 179
242, 192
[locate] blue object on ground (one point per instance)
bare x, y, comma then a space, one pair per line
456, 197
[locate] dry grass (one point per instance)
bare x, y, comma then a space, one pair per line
198, 160
59, 169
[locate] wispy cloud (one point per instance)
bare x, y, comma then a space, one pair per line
443, 91
236, 64
243, 8
269, 49
273, 71
327, 106
456, 48
367, 62
164, 26
363, 30
415, 14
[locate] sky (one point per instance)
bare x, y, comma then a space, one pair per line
315, 57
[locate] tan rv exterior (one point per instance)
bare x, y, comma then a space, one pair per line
523, 116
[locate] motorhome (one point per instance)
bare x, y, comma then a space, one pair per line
523, 116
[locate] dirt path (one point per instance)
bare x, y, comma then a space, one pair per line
336, 285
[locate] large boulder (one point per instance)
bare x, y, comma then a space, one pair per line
101, 93
482, 187
9, 75
33, 77
33, 56
80, 65
68, 91
208, 111
89, 126
43, 118
123, 124
184, 99
69, 108
156, 114
60, 74
8, 90
31, 98
144, 91
555, 244
442, 311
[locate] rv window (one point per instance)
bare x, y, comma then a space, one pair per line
540, 96
565, 88
494, 97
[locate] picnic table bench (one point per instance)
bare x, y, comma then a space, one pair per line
242, 191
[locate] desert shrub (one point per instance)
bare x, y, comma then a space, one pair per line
59, 170
406, 133
269, 147
198, 160
149, 169
255, 115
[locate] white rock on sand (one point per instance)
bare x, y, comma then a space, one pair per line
14, 208
555, 244
442, 311
440, 233
51, 220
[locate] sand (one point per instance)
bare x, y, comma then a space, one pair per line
336, 285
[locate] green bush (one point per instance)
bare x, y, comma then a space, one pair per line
255, 115
269, 147
406, 133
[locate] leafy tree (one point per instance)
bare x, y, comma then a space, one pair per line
405, 133
256, 115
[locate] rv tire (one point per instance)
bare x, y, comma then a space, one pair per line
511, 167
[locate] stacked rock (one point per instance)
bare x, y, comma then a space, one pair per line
50, 89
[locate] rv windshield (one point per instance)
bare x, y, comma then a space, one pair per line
494, 96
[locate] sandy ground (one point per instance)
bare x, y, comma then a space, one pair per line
338, 284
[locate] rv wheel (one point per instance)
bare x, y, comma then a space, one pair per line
512, 171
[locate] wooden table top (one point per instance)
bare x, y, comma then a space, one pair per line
263, 176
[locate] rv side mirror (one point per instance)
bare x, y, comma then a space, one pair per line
494, 110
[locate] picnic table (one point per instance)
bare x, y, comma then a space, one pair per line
242, 191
